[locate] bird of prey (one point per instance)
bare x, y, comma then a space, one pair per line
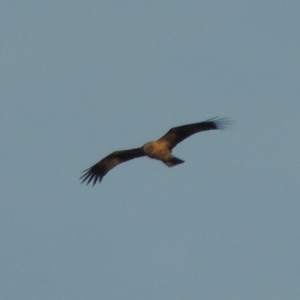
160, 149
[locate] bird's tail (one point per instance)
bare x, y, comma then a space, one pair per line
173, 161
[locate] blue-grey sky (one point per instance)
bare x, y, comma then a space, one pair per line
80, 79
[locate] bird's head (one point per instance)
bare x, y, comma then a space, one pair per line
148, 147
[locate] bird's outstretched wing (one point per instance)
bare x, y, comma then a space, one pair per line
98, 171
177, 134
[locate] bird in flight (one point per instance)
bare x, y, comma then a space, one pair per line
160, 149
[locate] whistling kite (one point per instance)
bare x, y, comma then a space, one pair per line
160, 149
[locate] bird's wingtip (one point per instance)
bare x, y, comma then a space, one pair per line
221, 122
89, 176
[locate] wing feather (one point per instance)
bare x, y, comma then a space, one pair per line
100, 169
177, 134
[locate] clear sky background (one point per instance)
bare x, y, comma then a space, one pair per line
80, 79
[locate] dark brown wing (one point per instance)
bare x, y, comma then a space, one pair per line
98, 171
177, 134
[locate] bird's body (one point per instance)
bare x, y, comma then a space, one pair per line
160, 149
